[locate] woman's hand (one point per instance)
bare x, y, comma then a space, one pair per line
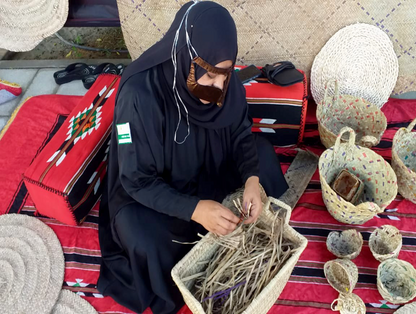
215, 217
252, 196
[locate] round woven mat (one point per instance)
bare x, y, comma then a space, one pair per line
407, 309
70, 303
24, 24
362, 59
31, 265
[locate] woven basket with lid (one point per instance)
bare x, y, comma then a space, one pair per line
378, 176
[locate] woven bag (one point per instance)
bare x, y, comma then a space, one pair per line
205, 249
345, 244
407, 309
385, 242
379, 179
403, 161
342, 274
335, 112
396, 281
349, 303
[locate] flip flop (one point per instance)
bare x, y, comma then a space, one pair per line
120, 68
74, 71
108, 68
282, 73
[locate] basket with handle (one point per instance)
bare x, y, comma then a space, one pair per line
396, 281
348, 303
337, 111
385, 242
403, 161
341, 274
206, 247
377, 175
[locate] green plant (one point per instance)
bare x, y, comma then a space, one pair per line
78, 40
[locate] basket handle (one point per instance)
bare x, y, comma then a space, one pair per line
411, 126
369, 141
351, 140
282, 205
336, 94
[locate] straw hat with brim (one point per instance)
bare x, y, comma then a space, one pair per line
31, 265
70, 303
25, 23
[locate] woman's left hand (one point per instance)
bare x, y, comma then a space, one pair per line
252, 196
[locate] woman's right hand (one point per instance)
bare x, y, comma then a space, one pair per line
215, 217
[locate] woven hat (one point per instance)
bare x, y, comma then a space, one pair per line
70, 303
25, 23
362, 59
31, 265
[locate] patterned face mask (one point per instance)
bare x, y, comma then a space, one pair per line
209, 93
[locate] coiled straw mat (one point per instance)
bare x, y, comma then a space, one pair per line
70, 303
25, 23
31, 265
362, 59
407, 309
403, 161
377, 175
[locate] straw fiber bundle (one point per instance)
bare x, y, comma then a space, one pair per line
31, 263
342, 274
377, 175
361, 57
195, 268
349, 303
396, 281
385, 242
71, 303
345, 244
407, 309
404, 161
337, 111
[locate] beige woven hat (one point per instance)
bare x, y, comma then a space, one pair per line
25, 23
362, 59
70, 303
31, 265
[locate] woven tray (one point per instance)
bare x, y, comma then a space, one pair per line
403, 161
205, 249
396, 281
378, 176
345, 244
335, 112
385, 242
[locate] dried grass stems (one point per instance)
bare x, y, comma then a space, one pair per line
246, 261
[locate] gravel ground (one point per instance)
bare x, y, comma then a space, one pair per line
97, 37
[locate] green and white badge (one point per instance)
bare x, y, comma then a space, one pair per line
123, 133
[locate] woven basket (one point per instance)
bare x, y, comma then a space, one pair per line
345, 244
403, 161
396, 281
407, 309
335, 112
342, 274
378, 177
349, 303
385, 242
206, 248
362, 59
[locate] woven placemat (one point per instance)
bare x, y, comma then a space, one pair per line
32, 264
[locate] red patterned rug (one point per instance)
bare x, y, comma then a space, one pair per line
307, 291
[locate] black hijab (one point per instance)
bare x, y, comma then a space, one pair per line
213, 34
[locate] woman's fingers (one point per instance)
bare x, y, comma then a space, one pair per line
228, 215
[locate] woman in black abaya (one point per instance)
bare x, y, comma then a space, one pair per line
181, 142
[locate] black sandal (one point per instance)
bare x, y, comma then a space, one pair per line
108, 68
282, 73
74, 71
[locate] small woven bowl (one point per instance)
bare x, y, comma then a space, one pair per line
345, 244
342, 275
385, 242
349, 303
396, 281
407, 309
